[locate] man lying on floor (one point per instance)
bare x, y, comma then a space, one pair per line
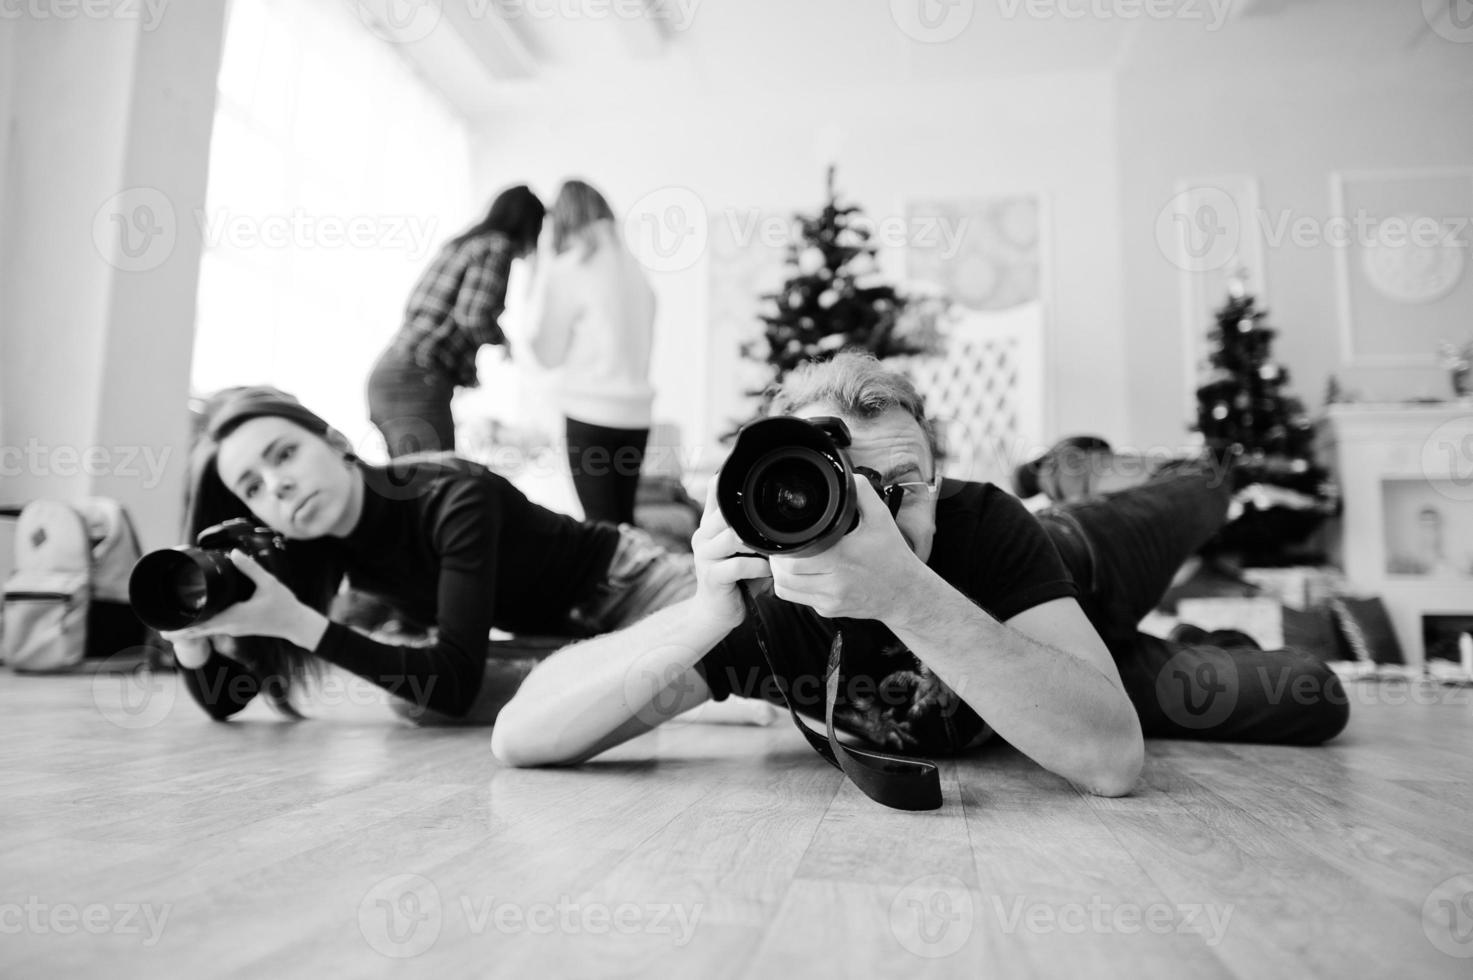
973, 617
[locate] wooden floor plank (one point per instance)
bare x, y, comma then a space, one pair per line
354, 844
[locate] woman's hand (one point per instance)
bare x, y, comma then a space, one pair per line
272, 610
196, 653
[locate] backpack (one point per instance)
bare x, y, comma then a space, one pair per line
66, 599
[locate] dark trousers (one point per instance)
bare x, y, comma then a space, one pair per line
605, 464
1122, 551
410, 406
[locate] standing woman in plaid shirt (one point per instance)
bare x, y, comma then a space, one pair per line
453, 311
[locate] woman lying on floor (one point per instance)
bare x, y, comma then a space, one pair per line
446, 540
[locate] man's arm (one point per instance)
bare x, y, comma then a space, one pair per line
1044, 680
593, 695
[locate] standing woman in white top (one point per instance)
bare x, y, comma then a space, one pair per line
596, 326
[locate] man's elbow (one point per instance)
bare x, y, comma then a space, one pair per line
1117, 773
515, 743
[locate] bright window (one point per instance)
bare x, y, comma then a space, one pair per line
335, 173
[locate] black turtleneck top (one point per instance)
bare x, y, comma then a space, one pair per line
467, 552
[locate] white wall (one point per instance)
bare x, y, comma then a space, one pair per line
95, 351
739, 146
1290, 128
7, 85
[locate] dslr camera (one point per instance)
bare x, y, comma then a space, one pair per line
175, 588
788, 486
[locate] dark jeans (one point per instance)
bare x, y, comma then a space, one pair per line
605, 464
410, 405
1122, 551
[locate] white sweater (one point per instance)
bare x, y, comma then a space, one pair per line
596, 323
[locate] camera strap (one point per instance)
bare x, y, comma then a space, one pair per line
890, 780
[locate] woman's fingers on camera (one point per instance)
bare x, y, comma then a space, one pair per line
248, 565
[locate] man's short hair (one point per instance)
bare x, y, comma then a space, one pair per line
858, 385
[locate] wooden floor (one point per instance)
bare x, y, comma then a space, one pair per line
139, 839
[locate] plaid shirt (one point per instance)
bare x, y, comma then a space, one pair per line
455, 307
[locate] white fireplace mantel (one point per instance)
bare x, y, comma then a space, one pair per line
1406, 533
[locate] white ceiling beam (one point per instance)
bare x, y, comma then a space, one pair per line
492, 37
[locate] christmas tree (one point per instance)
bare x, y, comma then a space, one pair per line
1247, 418
829, 300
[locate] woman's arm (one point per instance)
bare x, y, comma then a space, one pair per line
482, 296
444, 676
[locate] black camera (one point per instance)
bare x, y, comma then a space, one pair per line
177, 587
788, 486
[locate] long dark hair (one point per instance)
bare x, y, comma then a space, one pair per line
309, 568
516, 213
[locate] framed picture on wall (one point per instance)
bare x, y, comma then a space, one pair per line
1401, 241
985, 254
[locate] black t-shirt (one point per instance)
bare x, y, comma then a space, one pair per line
986, 545
466, 552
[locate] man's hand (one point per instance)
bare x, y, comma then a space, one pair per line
722, 560
868, 574
272, 610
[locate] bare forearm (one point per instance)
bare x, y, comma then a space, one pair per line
570, 704
1054, 706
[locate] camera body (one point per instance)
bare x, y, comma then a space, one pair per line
788, 486
175, 588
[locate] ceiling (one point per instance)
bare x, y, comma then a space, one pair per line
489, 55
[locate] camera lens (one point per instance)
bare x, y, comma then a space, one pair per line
791, 494
177, 587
